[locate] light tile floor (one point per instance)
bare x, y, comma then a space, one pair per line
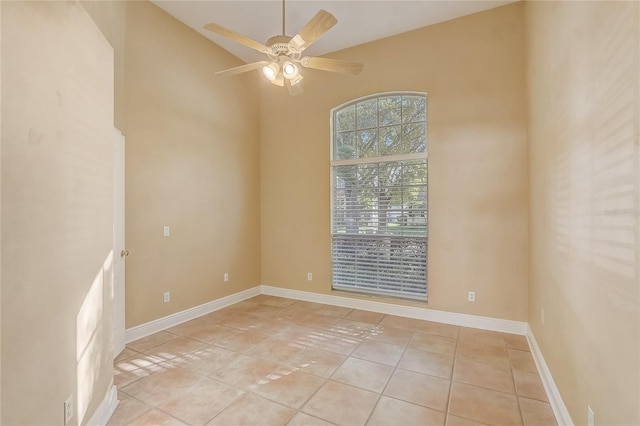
276, 361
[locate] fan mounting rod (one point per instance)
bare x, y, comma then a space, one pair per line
283, 17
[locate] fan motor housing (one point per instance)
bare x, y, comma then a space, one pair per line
279, 46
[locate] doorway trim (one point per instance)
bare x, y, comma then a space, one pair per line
119, 250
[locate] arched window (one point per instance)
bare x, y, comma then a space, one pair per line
379, 195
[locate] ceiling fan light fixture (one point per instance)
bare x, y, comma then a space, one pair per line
295, 80
290, 70
271, 71
284, 53
278, 81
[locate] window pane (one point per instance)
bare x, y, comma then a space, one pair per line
367, 205
415, 173
345, 197
414, 137
346, 119
367, 143
390, 141
346, 177
390, 110
414, 108
345, 146
391, 173
368, 114
367, 176
389, 194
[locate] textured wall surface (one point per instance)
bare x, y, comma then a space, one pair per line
57, 111
584, 212
192, 149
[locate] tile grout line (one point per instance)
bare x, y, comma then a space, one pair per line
363, 336
149, 408
515, 388
250, 391
395, 368
349, 356
453, 369
326, 379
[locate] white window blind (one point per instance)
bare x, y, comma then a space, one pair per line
379, 195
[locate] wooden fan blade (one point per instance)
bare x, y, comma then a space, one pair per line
333, 65
294, 89
318, 25
237, 37
243, 68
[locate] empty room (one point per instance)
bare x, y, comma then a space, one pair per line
237, 212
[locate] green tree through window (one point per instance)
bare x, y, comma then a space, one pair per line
379, 195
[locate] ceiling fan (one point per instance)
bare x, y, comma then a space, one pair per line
284, 53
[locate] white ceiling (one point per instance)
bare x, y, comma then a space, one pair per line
359, 21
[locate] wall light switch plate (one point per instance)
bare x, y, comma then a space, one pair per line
166, 231
166, 297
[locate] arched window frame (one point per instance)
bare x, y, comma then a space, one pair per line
380, 249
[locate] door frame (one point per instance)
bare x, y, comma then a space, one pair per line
119, 250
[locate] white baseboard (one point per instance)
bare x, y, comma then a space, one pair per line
553, 393
106, 408
146, 329
466, 320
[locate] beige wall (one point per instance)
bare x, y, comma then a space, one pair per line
57, 111
0, 220
111, 18
584, 209
473, 71
192, 163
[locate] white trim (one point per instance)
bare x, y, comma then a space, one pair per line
384, 159
378, 95
106, 408
143, 330
118, 304
466, 320
553, 393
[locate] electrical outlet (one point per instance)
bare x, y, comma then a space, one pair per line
166, 297
472, 296
226, 276
309, 276
591, 417
542, 316
68, 409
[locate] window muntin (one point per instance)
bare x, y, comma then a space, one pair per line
379, 195
385, 125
